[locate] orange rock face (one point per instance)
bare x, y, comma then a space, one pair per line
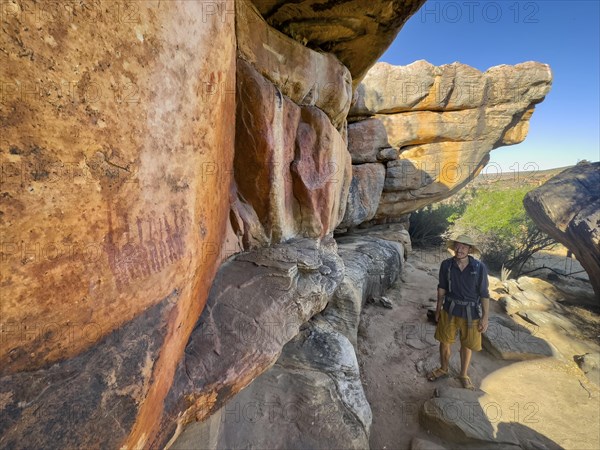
321, 173
116, 149
292, 167
141, 145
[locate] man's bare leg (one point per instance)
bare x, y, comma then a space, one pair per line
445, 356
465, 360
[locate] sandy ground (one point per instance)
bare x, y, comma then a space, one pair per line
550, 397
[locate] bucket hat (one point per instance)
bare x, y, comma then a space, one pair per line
464, 239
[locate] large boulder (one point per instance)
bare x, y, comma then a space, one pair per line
372, 265
117, 150
443, 122
292, 168
567, 207
456, 415
312, 397
506, 339
366, 139
356, 31
257, 304
419, 86
473, 419
395, 232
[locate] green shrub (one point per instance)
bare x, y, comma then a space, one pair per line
498, 221
428, 225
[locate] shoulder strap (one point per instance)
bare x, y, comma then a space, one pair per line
477, 264
449, 278
478, 270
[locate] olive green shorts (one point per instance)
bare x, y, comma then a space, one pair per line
448, 326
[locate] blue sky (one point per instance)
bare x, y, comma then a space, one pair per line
564, 34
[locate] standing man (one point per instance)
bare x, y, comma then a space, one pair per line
462, 305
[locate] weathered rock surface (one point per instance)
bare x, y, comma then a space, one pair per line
567, 207
422, 444
536, 294
131, 165
443, 122
356, 31
372, 265
467, 419
419, 86
456, 415
546, 312
305, 76
312, 397
387, 154
292, 167
257, 304
547, 319
506, 339
364, 194
321, 174
366, 139
527, 300
395, 232
401, 174
111, 226
204, 435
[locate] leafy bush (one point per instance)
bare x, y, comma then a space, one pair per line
428, 225
498, 221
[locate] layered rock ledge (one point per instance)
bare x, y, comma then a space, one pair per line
432, 128
312, 396
357, 31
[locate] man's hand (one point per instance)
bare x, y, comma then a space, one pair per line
483, 324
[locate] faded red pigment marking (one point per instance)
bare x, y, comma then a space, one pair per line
158, 244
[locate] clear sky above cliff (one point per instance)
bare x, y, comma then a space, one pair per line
565, 128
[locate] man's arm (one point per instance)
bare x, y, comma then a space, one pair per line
441, 295
442, 288
484, 321
484, 295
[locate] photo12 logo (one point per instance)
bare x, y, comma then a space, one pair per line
48, 13
472, 12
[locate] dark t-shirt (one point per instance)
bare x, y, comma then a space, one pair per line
467, 285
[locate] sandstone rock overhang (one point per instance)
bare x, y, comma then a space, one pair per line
356, 31
434, 127
96, 341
